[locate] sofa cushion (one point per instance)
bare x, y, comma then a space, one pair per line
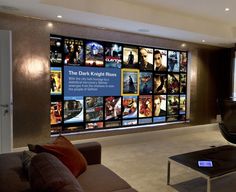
98, 178
64, 150
48, 174
26, 160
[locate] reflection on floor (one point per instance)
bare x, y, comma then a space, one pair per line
141, 159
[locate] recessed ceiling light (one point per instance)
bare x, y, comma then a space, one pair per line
59, 16
227, 9
50, 24
203, 41
183, 45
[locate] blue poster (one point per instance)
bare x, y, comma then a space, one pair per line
91, 81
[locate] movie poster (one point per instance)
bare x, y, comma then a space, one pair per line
71, 129
55, 50
129, 80
172, 104
145, 106
130, 57
130, 122
183, 61
56, 112
94, 125
113, 55
94, 54
159, 105
145, 83
112, 108
160, 83
93, 109
56, 81
183, 83
160, 60
173, 61
182, 104
172, 118
146, 59
73, 109
74, 52
130, 107
173, 83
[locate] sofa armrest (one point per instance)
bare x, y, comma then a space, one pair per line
91, 151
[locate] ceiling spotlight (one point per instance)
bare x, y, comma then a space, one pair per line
50, 24
183, 45
59, 16
227, 9
203, 41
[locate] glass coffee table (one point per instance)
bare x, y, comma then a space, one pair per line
223, 160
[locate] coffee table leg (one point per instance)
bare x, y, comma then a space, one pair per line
168, 173
208, 184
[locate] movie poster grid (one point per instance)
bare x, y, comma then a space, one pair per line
154, 84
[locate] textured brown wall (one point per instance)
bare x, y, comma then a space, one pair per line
31, 92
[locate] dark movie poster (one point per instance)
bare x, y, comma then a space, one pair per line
55, 50
130, 57
94, 54
74, 52
146, 59
130, 82
183, 83
93, 109
113, 55
146, 79
160, 60
172, 104
160, 83
183, 61
159, 105
173, 83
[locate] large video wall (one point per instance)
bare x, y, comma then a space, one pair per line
101, 85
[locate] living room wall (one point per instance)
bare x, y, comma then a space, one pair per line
31, 69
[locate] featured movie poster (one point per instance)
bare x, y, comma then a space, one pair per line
94, 125
183, 61
160, 60
172, 104
183, 83
56, 112
73, 109
173, 61
93, 109
145, 83
130, 57
94, 54
130, 107
173, 83
113, 55
74, 52
130, 122
129, 80
56, 81
112, 108
145, 106
55, 50
182, 104
160, 83
159, 105
146, 59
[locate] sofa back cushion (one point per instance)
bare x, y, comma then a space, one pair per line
48, 174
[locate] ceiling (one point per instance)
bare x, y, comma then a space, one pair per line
185, 20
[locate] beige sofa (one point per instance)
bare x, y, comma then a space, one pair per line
47, 173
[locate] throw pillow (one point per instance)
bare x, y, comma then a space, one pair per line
64, 150
48, 174
26, 160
